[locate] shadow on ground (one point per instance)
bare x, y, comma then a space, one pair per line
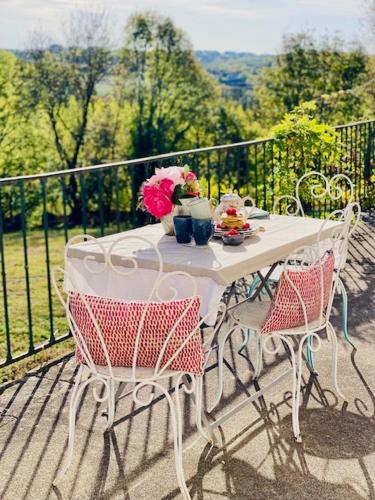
257, 457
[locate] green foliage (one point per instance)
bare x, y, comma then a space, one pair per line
64, 86
302, 144
166, 86
168, 90
308, 70
9, 99
81, 104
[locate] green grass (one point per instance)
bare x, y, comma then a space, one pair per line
17, 299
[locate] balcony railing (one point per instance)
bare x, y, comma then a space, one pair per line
38, 214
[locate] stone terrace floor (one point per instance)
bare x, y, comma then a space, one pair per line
257, 457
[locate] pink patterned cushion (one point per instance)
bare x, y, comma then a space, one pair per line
119, 322
286, 310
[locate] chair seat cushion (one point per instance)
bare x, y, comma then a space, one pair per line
286, 309
252, 315
119, 323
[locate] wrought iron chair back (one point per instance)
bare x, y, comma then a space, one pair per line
336, 188
120, 259
288, 205
312, 257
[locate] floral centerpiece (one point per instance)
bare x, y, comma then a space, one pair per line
161, 194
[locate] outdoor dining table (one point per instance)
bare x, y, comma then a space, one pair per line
215, 266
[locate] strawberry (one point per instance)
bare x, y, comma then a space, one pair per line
232, 232
231, 211
246, 226
218, 226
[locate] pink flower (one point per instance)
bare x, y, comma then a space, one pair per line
167, 186
175, 174
157, 199
190, 177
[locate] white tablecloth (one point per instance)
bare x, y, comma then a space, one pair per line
137, 286
214, 267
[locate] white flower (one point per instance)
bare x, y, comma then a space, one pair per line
175, 174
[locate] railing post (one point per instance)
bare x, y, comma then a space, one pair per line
117, 199
4, 286
64, 201
100, 195
82, 183
48, 270
26, 265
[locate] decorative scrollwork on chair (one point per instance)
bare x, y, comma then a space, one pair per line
160, 336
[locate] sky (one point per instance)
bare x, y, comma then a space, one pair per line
223, 25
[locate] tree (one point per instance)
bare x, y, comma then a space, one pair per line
23, 139
167, 88
166, 84
65, 82
108, 139
224, 122
307, 70
301, 144
13, 108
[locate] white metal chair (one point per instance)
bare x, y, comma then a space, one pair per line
252, 315
336, 188
88, 318
284, 205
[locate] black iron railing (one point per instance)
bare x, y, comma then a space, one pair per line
38, 214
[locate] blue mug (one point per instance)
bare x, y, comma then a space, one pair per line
203, 230
183, 228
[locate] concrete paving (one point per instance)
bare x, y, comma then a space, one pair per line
257, 457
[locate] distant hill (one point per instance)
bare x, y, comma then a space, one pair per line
234, 69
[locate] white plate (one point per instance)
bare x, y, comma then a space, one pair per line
247, 232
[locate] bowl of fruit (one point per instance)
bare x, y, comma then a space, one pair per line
233, 237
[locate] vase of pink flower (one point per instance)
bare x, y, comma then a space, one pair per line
161, 194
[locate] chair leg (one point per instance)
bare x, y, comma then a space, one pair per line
110, 414
296, 373
250, 292
203, 425
253, 286
176, 419
297, 365
297, 390
220, 361
74, 400
258, 356
344, 314
111, 404
310, 355
247, 336
332, 335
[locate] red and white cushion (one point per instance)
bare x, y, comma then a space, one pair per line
119, 323
286, 310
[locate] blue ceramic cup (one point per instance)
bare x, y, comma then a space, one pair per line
203, 230
183, 228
